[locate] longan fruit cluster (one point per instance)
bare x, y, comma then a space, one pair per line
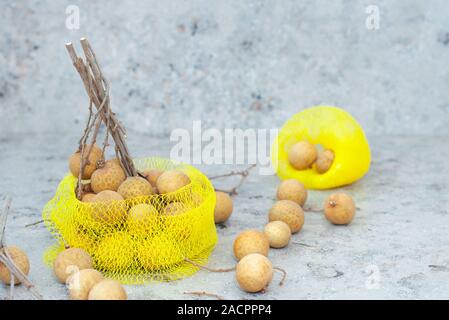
304, 155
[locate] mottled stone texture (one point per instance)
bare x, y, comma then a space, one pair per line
231, 63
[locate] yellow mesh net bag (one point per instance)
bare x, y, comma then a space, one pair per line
159, 242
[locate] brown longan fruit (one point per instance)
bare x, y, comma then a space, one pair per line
141, 217
109, 207
292, 189
223, 207
134, 187
288, 211
152, 175
88, 197
116, 252
175, 208
251, 241
278, 233
81, 282
324, 160
91, 162
70, 261
254, 272
109, 177
21, 261
108, 290
302, 155
339, 208
172, 180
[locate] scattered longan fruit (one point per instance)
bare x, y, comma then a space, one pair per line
339, 208
116, 252
134, 187
109, 207
324, 160
288, 211
223, 207
293, 190
152, 175
302, 155
20, 259
88, 197
81, 282
108, 290
278, 233
141, 216
70, 261
250, 241
91, 162
172, 180
109, 177
254, 272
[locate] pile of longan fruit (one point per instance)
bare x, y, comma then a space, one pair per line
304, 155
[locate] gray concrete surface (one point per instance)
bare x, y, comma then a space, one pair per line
399, 233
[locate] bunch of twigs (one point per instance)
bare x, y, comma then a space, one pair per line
97, 88
8, 262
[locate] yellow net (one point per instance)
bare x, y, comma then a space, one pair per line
154, 243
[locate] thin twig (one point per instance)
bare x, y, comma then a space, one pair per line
204, 293
284, 275
3, 219
310, 209
207, 268
243, 174
303, 244
34, 223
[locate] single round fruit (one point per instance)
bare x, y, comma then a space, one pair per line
278, 233
88, 197
152, 175
171, 180
142, 217
302, 155
324, 160
159, 252
21, 261
339, 208
134, 187
109, 177
81, 282
254, 272
288, 211
175, 208
251, 241
223, 207
95, 155
108, 290
109, 207
69, 261
116, 252
293, 190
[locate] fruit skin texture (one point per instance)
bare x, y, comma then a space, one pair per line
88, 197
254, 272
293, 190
302, 155
20, 259
108, 290
223, 207
110, 177
171, 180
152, 175
288, 211
334, 129
339, 208
324, 160
134, 187
81, 282
108, 207
251, 241
69, 261
75, 161
278, 233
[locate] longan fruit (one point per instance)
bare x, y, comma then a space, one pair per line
81, 282
223, 207
152, 175
108, 290
69, 261
21, 261
324, 160
150, 257
134, 187
292, 189
175, 208
88, 197
339, 208
254, 272
172, 180
109, 177
91, 162
109, 207
302, 155
288, 211
116, 252
141, 217
278, 233
250, 241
